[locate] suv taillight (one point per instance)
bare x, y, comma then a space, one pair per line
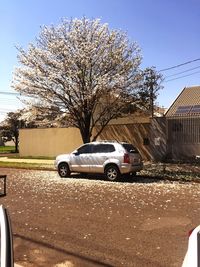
190, 232
126, 158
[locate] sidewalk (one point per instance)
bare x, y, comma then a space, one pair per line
38, 161
39, 164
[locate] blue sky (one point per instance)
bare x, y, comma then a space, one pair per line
167, 32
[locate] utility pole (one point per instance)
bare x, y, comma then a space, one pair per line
151, 87
151, 84
152, 80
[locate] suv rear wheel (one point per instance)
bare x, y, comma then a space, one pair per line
112, 173
63, 170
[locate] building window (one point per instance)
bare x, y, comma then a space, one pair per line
146, 141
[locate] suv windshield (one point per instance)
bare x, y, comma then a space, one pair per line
130, 148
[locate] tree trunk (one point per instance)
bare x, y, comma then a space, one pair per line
85, 137
16, 141
16, 146
85, 130
85, 134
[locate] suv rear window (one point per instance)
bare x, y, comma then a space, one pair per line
130, 148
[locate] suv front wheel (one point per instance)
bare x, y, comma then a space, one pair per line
63, 170
112, 173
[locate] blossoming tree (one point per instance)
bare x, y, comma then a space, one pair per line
81, 69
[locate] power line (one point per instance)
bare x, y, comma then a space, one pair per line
183, 76
7, 108
178, 73
8, 93
179, 65
8, 101
5, 112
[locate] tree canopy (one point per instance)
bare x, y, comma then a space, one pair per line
9, 129
80, 69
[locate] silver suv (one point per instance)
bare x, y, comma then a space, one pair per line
111, 158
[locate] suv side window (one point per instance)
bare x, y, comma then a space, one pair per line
85, 149
103, 148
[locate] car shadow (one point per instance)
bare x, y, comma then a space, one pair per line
145, 179
124, 179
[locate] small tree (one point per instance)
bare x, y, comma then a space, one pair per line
82, 69
10, 128
150, 86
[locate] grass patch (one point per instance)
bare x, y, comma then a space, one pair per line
38, 157
14, 155
17, 156
7, 149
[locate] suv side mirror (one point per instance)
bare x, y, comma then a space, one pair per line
76, 153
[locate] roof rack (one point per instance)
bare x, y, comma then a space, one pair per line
108, 141
113, 141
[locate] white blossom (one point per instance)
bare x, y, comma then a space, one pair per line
82, 67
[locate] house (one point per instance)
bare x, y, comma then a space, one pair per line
183, 125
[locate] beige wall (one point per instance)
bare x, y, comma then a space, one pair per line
48, 142
54, 141
51, 142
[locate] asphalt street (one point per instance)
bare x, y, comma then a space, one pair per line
90, 222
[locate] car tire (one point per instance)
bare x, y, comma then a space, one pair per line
112, 173
63, 170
